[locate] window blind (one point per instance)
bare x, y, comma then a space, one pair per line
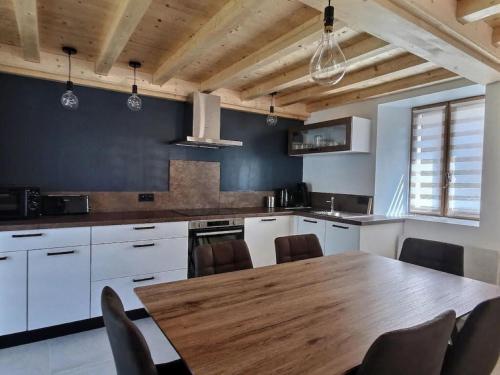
427, 159
465, 158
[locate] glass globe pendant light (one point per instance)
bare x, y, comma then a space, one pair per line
134, 102
69, 100
328, 64
272, 119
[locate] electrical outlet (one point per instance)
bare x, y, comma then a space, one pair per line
146, 197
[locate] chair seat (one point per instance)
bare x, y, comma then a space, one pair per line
173, 368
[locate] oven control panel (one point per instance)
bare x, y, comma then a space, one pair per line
216, 223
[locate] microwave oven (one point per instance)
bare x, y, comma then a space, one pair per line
19, 202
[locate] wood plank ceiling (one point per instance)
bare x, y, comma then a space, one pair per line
244, 50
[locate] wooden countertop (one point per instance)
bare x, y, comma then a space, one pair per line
314, 317
116, 218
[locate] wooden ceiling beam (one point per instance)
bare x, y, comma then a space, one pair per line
416, 81
124, 23
305, 34
229, 17
428, 29
401, 65
362, 50
27, 24
476, 10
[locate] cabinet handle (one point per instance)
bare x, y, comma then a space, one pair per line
143, 228
339, 226
61, 253
267, 219
144, 279
144, 245
27, 235
310, 221
4, 258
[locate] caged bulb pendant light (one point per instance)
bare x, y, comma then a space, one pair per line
134, 102
272, 119
328, 64
69, 100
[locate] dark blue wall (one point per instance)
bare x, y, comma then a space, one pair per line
105, 147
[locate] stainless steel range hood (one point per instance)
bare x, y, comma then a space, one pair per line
203, 123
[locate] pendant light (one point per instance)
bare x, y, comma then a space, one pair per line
69, 100
134, 102
272, 119
328, 64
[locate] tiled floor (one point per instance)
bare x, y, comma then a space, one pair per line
86, 353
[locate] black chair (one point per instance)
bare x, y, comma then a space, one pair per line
476, 347
419, 350
298, 247
221, 257
436, 255
130, 350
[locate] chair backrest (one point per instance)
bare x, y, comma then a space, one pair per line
130, 350
221, 257
298, 247
439, 256
476, 347
417, 350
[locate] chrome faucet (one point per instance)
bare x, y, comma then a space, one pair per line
332, 204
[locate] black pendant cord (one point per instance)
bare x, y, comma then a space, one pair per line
134, 87
271, 108
69, 83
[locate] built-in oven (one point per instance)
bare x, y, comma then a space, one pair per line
19, 202
207, 232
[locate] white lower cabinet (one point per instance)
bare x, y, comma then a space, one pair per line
308, 225
58, 286
340, 237
260, 233
124, 286
115, 260
13, 290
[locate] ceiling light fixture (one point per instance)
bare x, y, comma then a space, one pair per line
328, 64
272, 119
134, 102
69, 100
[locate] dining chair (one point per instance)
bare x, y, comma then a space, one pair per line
297, 247
417, 350
221, 257
130, 350
475, 349
440, 256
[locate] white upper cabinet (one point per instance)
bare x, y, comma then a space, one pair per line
344, 135
260, 233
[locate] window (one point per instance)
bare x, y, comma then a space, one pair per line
446, 159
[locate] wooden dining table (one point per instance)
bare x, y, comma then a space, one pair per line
317, 316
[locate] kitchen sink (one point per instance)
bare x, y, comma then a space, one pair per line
339, 214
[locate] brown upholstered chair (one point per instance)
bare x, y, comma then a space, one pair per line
221, 257
298, 247
417, 350
476, 348
439, 256
130, 350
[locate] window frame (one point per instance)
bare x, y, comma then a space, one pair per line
446, 158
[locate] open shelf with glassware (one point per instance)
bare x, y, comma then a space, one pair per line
346, 135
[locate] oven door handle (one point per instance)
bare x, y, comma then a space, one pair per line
204, 234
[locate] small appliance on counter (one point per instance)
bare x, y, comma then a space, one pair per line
65, 204
21, 202
298, 198
270, 201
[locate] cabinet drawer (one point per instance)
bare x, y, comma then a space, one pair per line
124, 286
58, 286
114, 260
13, 287
138, 232
44, 238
